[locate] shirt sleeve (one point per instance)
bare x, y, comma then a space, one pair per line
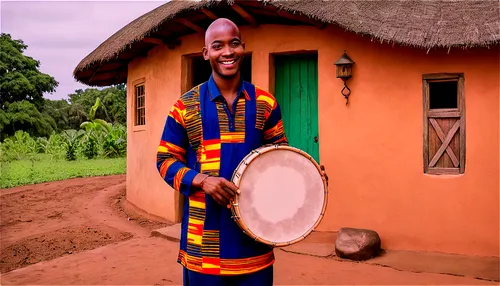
171, 156
274, 132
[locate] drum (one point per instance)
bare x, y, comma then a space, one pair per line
283, 195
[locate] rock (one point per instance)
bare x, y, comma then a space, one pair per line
357, 244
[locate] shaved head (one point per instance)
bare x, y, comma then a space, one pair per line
224, 48
220, 25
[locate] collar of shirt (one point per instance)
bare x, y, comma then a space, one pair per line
214, 92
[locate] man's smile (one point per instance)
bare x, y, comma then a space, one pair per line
228, 62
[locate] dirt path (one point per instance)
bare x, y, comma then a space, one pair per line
75, 233
151, 261
50, 220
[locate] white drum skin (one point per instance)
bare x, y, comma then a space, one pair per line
283, 195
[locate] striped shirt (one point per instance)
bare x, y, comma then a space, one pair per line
201, 135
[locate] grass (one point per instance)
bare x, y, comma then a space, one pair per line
44, 169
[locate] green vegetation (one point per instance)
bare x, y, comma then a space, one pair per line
22, 106
42, 169
28, 160
43, 140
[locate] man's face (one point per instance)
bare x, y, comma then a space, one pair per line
224, 49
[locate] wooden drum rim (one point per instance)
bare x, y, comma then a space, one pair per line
239, 173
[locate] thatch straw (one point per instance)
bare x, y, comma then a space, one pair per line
422, 24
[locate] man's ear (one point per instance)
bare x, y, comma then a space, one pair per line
243, 45
204, 50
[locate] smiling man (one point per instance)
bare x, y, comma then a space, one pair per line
208, 131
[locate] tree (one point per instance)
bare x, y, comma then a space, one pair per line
23, 115
59, 111
20, 78
76, 115
23, 107
4, 121
114, 103
86, 98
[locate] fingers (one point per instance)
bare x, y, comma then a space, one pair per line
232, 187
225, 192
229, 188
221, 190
219, 198
229, 192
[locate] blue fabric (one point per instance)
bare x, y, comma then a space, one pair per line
235, 247
233, 242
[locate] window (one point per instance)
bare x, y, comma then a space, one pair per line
444, 124
140, 105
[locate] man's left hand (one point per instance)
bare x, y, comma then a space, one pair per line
322, 167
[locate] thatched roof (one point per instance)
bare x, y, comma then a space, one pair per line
421, 24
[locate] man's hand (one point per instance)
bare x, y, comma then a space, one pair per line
324, 173
220, 189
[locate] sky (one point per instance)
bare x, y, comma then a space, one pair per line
60, 34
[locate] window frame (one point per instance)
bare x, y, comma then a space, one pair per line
136, 109
458, 112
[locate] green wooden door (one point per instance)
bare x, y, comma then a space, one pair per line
296, 89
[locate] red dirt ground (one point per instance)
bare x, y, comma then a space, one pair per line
77, 232
51, 220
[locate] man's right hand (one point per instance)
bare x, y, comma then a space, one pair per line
220, 189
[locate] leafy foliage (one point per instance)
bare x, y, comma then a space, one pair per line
113, 102
115, 144
58, 110
23, 115
70, 141
18, 147
69, 144
91, 124
96, 130
22, 106
24, 172
20, 78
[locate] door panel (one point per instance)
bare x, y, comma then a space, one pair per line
296, 89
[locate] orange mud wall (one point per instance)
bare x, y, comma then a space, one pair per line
372, 149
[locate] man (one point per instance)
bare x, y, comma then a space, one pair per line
208, 131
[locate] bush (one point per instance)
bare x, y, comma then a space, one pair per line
18, 147
71, 142
110, 142
115, 144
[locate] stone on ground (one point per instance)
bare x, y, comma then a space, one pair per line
357, 244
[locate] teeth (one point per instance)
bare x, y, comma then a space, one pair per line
228, 62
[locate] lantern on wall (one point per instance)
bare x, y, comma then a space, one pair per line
344, 72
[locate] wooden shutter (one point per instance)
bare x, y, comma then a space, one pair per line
444, 125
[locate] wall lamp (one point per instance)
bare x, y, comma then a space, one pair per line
344, 72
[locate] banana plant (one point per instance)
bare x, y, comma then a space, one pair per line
95, 124
19, 146
55, 146
96, 130
115, 144
70, 140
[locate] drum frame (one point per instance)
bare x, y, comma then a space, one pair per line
239, 173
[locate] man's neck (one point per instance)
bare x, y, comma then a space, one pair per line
228, 87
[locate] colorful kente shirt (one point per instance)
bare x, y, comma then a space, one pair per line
201, 135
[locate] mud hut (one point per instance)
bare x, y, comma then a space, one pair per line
414, 154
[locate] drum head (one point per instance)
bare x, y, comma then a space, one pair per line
282, 195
